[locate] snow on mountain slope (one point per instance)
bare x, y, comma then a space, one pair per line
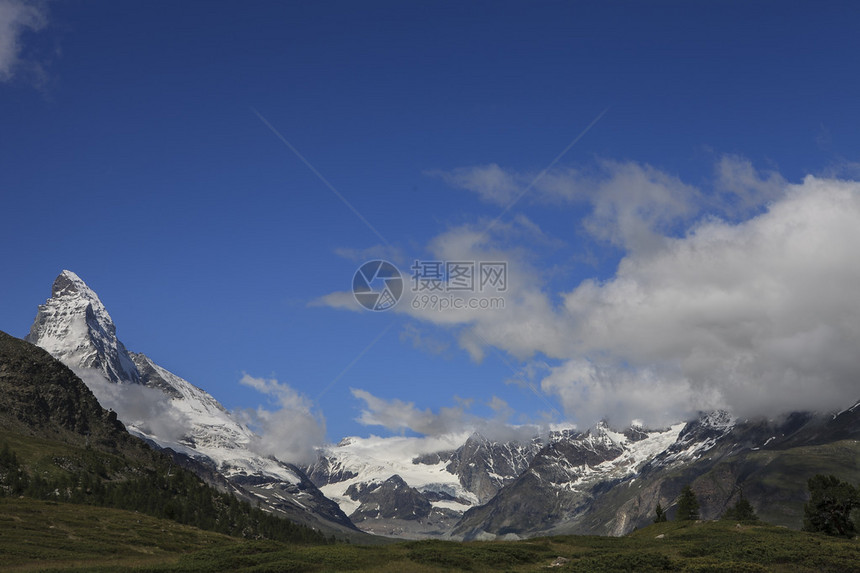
416, 487
607, 482
635, 453
602, 454
374, 460
485, 466
695, 439
212, 431
564, 478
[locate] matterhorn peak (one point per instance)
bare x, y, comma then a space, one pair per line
75, 327
68, 283
68, 286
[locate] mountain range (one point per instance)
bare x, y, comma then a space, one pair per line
599, 480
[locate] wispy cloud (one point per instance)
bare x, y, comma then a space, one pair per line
743, 189
492, 183
292, 430
339, 299
421, 340
148, 409
17, 18
397, 415
631, 203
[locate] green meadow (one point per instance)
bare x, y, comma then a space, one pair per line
45, 536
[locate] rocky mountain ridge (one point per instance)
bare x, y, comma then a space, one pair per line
588, 486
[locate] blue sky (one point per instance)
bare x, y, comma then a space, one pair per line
132, 151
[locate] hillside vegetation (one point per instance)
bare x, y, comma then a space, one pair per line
58, 444
40, 535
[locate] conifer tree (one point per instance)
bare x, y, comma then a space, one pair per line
830, 505
741, 511
660, 515
688, 505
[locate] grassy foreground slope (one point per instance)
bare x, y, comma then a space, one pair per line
35, 535
39, 535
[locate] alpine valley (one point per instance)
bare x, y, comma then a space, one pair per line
599, 480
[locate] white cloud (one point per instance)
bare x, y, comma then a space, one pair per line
147, 409
290, 433
491, 182
842, 168
527, 313
398, 416
631, 203
500, 407
16, 18
340, 299
522, 297
592, 391
756, 311
742, 188
759, 316
635, 205
421, 340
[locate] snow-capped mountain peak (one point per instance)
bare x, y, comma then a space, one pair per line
68, 283
75, 327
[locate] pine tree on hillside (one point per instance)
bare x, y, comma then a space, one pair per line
741, 511
830, 505
659, 514
688, 505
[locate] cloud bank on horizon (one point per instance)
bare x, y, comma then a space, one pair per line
744, 296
